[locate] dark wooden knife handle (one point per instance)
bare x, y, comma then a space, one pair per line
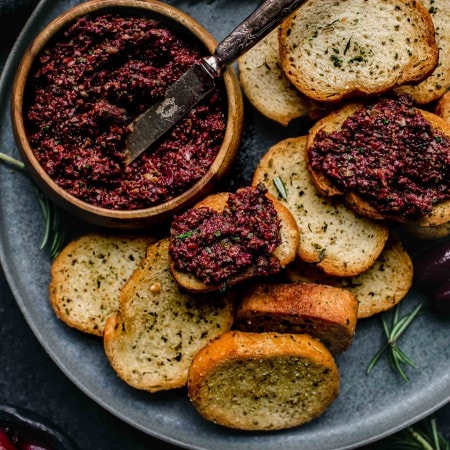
261, 22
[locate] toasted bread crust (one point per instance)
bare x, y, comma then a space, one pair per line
285, 252
339, 241
333, 122
88, 274
378, 289
265, 84
152, 339
438, 82
329, 55
280, 380
327, 313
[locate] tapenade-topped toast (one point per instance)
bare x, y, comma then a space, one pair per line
332, 236
230, 237
389, 159
332, 50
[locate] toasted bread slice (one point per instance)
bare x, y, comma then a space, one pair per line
284, 253
265, 84
88, 274
437, 83
327, 313
378, 289
151, 340
332, 235
442, 108
333, 123
334, 50
263, 381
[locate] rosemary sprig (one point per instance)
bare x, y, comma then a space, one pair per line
281, 188
424, 436
54, 233
396, 356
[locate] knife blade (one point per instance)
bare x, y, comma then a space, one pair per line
200, 79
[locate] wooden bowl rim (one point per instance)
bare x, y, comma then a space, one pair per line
224, 157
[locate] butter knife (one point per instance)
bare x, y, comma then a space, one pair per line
201, 78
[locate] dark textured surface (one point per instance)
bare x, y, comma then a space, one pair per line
28, 376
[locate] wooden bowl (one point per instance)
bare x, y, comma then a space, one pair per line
170, 18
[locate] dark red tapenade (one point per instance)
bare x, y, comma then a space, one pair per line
389, 154
87, 87
216, 247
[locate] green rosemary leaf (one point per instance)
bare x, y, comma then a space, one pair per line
396, 356
396, 363
12, 161
402, 357
281, 188
376, 358
423, 436
404, 323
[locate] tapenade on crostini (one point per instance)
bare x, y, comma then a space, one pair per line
230, 237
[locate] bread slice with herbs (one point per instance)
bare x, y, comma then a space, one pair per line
265, 84
236, 243
378, 289
151, 341
88, 275
392, 181
438, 82
263, 381
327, 313
335, 50
332, 235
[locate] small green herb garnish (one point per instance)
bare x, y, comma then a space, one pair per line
281, 188
54, 234
423, 436
396, 356
185, 235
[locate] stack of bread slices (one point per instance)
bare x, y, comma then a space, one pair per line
260, 354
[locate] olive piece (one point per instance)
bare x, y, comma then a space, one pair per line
439, 298
433, 267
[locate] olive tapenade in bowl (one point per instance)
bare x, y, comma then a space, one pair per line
80, 85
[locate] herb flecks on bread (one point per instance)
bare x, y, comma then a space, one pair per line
438, 82
266, 85
331, 50
378, 289
263, 381
389, 159
88, 275
230, 237
327, 313
332, 235
151, 341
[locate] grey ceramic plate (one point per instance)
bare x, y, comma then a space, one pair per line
368, 408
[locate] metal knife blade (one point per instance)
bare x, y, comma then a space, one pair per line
180, 98
198, 81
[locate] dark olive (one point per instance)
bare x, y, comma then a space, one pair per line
439, 298
433, 267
